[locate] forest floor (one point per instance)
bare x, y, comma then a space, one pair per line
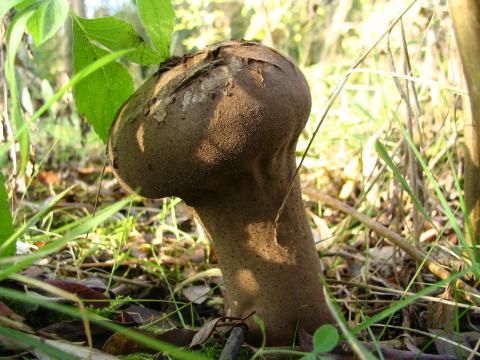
387, 221
150, 266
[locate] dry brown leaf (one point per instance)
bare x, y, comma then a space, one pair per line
440, 315
82, 291
119, 344
205, 332
196, 293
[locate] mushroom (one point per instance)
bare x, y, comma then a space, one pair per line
218, 129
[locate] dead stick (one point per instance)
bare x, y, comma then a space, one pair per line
234, 343
414, 252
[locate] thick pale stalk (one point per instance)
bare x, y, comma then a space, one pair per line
466, 22
271, 270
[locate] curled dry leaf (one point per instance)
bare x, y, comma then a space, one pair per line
205, 332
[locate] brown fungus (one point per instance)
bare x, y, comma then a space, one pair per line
219, 128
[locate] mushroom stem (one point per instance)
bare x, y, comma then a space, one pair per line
272, 269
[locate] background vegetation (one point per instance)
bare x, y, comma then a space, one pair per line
382, 180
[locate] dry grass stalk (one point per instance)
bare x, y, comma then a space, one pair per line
419, 255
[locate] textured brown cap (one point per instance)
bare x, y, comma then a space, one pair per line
205, 115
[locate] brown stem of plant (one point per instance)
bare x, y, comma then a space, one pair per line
419, 255
466, 23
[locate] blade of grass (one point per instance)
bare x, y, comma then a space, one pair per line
36, 343
40, 215
6, 230
61, 293
409, 300
441, 197
14, 37
389, 161
337, 314
463, 206
21, 262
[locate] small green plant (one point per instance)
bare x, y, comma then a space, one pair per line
101, 84
324, 340
107, 88
6, 230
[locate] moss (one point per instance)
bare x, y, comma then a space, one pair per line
138, 356
214, 347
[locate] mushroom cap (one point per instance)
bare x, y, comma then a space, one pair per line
208, 116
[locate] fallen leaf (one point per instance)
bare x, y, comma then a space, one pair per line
95, 283
210, 273
467, 339
82, 291
75, 330
141, 314
9, 313
205, 332
440, 315
33, 272
428, 235
198, 255
49, 178
119, 344
196, 293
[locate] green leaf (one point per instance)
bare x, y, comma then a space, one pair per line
116, 34
48, 18
310, 356
14, 37
77, 78
6, 5
101, 94
325, 338
396, 171
6, 230
158, 17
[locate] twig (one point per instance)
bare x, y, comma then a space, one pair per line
234, 343
419, 255
98, 195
